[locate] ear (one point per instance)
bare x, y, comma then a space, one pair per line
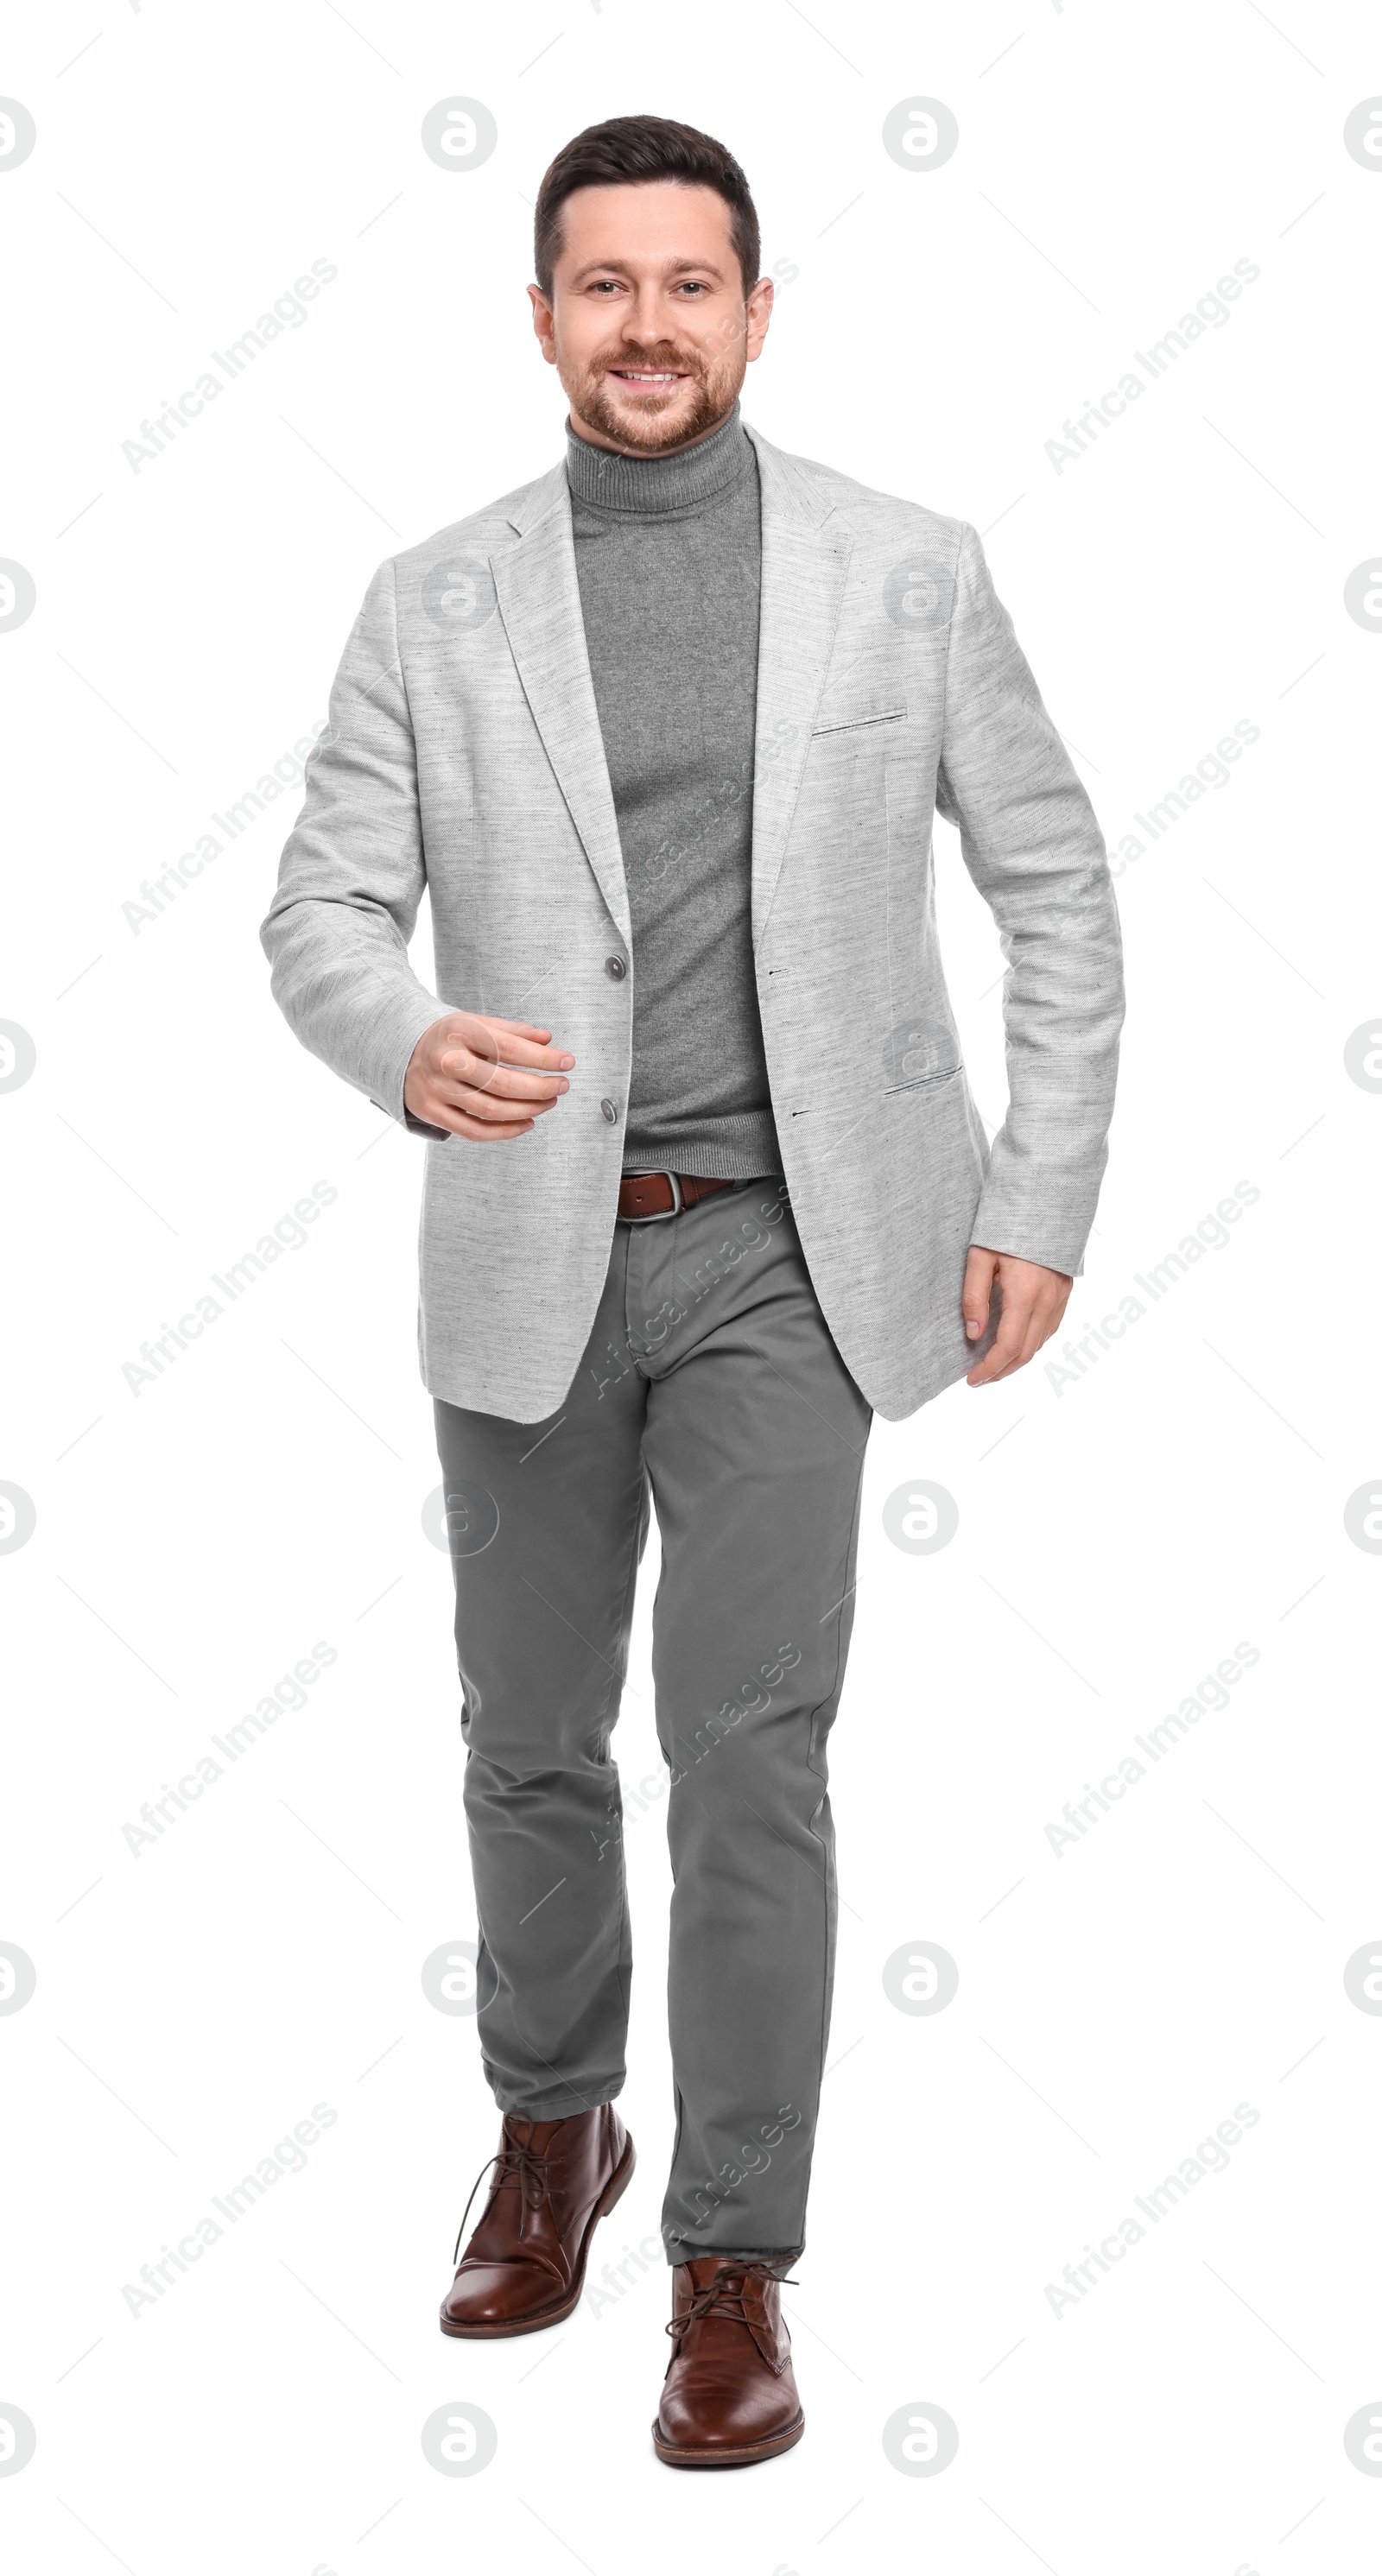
758, 308
542, 322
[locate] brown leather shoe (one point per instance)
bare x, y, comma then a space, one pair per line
730, 2396
525, 2264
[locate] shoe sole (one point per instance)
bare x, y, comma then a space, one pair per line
680, 2456
613, 2191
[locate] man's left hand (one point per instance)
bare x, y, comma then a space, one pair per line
1033, 1302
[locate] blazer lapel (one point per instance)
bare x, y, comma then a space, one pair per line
540, 603
803, 582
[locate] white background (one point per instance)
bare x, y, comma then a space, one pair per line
1118, 1535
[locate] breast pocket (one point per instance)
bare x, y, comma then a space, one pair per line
834, 726
841, 819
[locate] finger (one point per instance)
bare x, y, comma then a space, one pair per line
518, 1049
510, 1040
1012, 1351
977, 1290
1053, 1314
478, 1131
483, 1064
484, 1105
440, 1103
1006, 1350
459, 1064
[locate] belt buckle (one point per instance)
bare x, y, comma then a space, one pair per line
658, 1216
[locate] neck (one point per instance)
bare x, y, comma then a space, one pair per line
609, 478
580, 428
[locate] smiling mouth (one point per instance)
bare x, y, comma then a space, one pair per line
647, 375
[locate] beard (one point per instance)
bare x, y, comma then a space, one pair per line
656, 421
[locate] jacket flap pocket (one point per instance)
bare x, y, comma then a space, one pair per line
856, 724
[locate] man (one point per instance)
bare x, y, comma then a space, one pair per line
663, 734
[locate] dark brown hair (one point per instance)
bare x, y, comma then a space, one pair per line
626, 149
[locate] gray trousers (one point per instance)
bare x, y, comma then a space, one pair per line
710, 1387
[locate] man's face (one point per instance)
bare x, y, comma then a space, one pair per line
647, 326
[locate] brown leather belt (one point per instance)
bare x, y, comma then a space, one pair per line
655, 1194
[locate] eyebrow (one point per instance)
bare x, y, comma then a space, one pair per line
671, 268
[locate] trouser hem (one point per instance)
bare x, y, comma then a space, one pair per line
679, 2251
557, 2106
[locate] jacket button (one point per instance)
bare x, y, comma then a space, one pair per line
615, 966
609, 1113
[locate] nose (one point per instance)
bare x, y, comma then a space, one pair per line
644, 319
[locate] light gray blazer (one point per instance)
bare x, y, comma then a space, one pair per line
464, 753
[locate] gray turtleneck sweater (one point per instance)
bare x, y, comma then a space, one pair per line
668, 552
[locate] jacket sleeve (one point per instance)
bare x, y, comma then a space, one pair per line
352, 873
1033, 847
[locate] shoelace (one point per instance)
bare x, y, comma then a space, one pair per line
723, 2296
517, 2164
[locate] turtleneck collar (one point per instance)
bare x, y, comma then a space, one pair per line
657, 485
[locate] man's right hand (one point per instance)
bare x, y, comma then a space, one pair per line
464, 1074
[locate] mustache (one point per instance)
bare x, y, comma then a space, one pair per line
677, 360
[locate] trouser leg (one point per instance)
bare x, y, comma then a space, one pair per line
754, 1444
547, 1524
